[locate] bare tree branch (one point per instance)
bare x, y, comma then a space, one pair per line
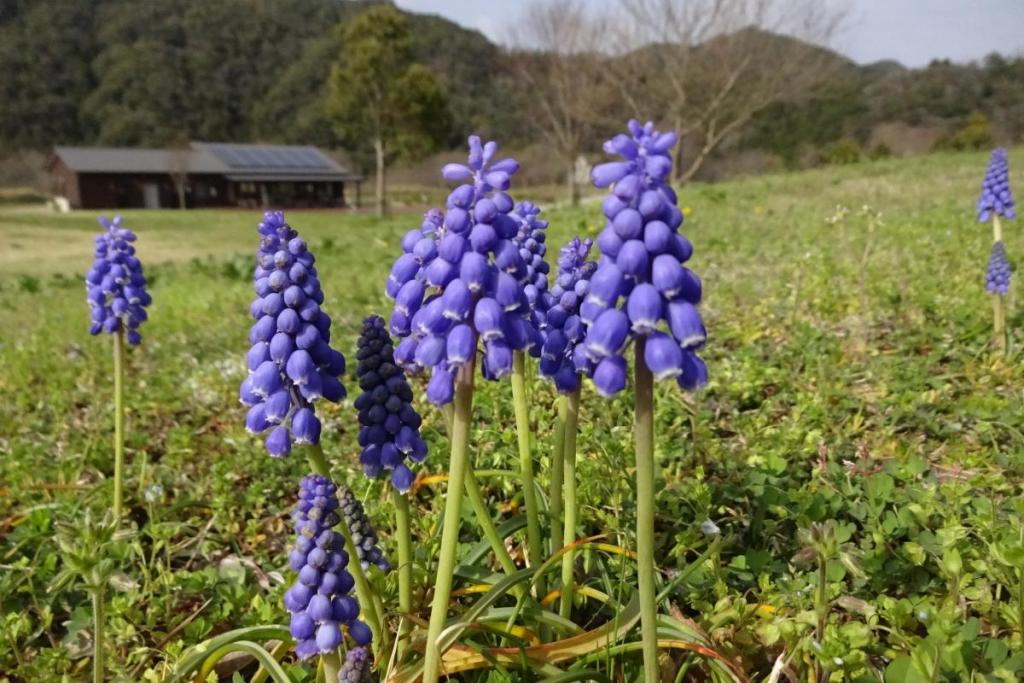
555, 56
717, 63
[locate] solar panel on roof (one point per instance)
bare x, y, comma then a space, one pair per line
254, 157
249, 157
294, 158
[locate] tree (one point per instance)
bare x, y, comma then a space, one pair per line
710, 65
179, 155
45, 54
379, 96
556, 62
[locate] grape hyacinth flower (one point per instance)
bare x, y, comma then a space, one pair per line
115, 285
291, 362
997, 282
319, 600
461, 283
996, 199
562, 361
364, 537
563, 329
997, 273
356, 668
116, 291
642, 256
390, 425
461, 279
531, 241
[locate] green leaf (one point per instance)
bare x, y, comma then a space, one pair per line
951, 562
915, 552
902, 670
581, 675
194, 657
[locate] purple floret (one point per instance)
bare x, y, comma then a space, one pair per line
115, 285
641, 289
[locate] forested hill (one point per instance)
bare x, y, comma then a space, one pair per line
147, 73
150, 73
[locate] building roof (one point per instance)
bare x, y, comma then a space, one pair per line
236, 161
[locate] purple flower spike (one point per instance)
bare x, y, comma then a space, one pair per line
640, 287
471, 276
115, 286
319, 559
562, 329
996, 198
997, 274
386, 400
530, 239
363, 535
291, 362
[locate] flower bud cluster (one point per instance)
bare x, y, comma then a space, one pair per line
356, 668
291, 362
997, 274
389, 425
364, 537
115, 286
996, 198
642, 256
531, 242
562, 358
461, 279
319, 600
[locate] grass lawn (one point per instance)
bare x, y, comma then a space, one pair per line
852, 381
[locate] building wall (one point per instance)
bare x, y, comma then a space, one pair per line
64, 183
122, 190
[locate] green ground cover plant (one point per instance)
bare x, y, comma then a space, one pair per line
843, 500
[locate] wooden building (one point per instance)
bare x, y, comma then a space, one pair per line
200, 175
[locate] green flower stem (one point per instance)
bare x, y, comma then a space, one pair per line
118, 423
457, 465
404, 533
448, 412
534, 542
364, 593
332, 665
99, 624
997, 229
483, 517
821, 597
643, 435
999, 322
555, 480
572, 415
480, 511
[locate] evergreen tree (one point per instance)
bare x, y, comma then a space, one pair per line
380, 96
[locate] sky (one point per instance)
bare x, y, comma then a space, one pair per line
913, 32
